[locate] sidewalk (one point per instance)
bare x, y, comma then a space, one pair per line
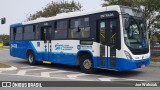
155, 64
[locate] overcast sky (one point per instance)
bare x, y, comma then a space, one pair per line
18, 10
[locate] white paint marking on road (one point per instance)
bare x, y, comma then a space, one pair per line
47, 74
23, 72
62, 78
105, 79
28, 67
120, 79
133, 79
74, 76
68, 78
37, 67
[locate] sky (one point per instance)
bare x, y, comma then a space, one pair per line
16, 11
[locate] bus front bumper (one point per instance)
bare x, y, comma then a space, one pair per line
124, 64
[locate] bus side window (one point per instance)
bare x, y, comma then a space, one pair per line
37, 33
61, 29
79, 28
12, 34
19, 33
29, 32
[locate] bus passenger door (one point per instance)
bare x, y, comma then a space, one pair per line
107, 37
46, 37
112, 41
102, 40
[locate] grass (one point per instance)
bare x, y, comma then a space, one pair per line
4, 65
155, 58
4, 47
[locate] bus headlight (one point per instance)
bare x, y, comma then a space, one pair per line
129, 57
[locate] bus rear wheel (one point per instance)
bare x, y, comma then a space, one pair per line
86, 64
31, 58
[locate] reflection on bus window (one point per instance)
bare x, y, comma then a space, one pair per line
102, 32
79, 28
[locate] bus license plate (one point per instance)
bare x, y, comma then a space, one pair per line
143, 66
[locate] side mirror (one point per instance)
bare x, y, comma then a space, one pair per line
3, 20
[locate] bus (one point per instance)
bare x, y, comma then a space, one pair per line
113, 37
1, 43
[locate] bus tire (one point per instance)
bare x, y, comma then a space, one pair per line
31, 58
86, 64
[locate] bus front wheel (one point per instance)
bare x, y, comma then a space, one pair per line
86, 64
31, 58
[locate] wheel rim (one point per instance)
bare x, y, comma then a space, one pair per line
87, 64
30, 58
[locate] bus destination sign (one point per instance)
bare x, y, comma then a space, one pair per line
108, 15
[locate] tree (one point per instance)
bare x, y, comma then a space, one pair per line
120, 2
5, 39
150, 9
55, 8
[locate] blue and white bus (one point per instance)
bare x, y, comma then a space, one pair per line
113, 37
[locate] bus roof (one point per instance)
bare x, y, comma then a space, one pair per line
16, 25
70, 14
75, 14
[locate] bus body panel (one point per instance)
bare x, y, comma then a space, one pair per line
66, 51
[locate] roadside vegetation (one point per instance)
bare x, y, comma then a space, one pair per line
4, 65
155, 58
4, 47
5, 39
57, 7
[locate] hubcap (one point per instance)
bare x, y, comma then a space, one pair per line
87, 64
30, 58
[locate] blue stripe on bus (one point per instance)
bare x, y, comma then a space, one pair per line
121, 64
124, 64
71, 58
32, 46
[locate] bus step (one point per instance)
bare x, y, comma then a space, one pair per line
47, 62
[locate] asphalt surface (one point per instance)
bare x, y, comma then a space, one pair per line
56, 72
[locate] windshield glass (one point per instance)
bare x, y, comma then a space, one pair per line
135, 33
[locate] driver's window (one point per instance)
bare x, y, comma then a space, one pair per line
133, 31
144, 31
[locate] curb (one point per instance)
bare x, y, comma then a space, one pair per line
8, 69
3, 49
155, 63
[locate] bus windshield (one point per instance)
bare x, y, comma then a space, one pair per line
135, 33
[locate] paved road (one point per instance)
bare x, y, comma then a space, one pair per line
63, 72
